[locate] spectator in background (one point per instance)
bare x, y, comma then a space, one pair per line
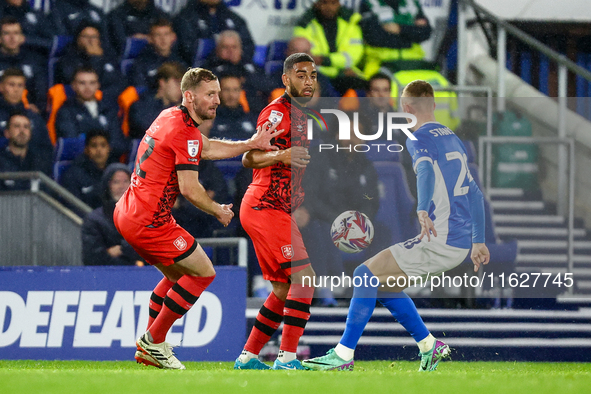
88, 50
206, 19
228, 59
144, 111
131, 19
18, 155
12, 86
37, 27
84, 112
338, 59
161, 48
379, 88
101, 242
302, 45
232, 121
13, 55
83, 178
68, 15
393, 31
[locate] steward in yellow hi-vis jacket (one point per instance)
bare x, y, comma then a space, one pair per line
393, 31
337, 42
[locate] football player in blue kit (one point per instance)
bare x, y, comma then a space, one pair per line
451, 214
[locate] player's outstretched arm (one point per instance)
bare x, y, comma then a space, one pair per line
296, 156
191, 188
224, 149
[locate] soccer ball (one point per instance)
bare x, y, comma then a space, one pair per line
351, 231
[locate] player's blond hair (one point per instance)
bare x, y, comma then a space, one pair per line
194, 76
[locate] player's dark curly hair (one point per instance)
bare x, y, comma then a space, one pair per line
295, 58
194, 76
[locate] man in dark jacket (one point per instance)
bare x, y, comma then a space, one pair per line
68, 15
18, 156
231, 121
12, 86
36, 26
162, 48
83, 178
132, 19
101, 242
84, 112
206, 19
88, 49
13, 55
144, 111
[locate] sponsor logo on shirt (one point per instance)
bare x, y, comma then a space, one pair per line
193, 147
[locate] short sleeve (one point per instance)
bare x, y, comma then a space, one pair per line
421, 149
187, 146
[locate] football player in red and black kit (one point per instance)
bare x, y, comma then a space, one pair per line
166, 165
265, 214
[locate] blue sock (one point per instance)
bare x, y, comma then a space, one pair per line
362, 305
404, 310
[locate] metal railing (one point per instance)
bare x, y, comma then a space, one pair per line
564, 65
240, 242
38, 178
562, 142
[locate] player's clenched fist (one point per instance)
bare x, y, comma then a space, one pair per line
225, 214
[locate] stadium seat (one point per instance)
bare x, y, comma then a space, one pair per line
396, 202
56, 97
260, 54
205, 46
383, 154
470, 150
60, 43
67, 149
272, 66
229, 167
277, 51
135, 144
133, 47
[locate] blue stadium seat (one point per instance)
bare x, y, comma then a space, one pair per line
260, 54
272, 66
470, 150
135, 143
276, 51
133, 47
67, 149
229, 167
396, 202
383, 154
205, 46
60, 43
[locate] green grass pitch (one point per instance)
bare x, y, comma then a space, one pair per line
371, 377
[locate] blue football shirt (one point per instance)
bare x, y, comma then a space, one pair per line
450, 207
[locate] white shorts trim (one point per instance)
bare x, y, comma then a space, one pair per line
419, 258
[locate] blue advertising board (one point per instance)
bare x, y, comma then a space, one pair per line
97, 313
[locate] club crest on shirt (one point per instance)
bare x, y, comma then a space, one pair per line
287, 251
193, 147
275, 116
180, 243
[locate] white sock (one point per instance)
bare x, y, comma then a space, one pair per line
426, 344
246, 356
285, 357
344, 352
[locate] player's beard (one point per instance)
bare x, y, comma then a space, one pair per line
298, 94
204, 115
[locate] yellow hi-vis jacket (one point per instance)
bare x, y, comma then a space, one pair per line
446, 103
349, 41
